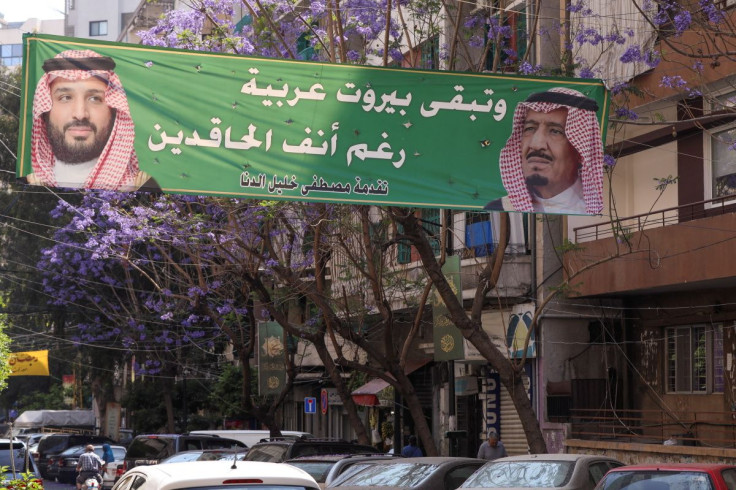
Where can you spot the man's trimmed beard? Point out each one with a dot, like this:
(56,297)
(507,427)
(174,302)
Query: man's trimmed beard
(79,151)
(536,180)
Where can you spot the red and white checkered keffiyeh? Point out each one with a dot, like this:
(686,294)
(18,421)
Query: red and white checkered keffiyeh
(583,132)
(117,166)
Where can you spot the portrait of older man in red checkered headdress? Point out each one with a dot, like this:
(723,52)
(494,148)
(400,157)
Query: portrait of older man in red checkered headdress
(553,161)
(83,133)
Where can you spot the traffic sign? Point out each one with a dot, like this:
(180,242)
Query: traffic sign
(323,400)
(310,404)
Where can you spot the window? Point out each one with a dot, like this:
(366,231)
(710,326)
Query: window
(478,235)
(98,28)
(430,221)
(11,54)
(720,178)
(513,40)
(695,359)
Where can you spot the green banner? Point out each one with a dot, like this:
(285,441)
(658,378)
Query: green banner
(271,359)
(228,125)
(448,341)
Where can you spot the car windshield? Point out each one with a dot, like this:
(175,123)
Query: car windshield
(657,480)
(151,447)
(73,451)
(316,469)
(16,459)
(537,474)
(390,475)
(348,471)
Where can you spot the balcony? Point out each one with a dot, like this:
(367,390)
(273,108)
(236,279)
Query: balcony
(701,428)
(679,248)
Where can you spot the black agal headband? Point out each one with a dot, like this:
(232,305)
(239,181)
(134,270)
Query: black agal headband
(564,99)
(102,63)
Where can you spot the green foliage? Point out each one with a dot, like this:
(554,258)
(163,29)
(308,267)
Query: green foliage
(664,182)
(227,393)
(27,481)
(50,399)
(145,407)
(568,246)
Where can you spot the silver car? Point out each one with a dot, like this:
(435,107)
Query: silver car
(426,473)
(558,471)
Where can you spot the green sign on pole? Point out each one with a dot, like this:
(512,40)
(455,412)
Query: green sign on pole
(271,371)
(448,341)
(227,125)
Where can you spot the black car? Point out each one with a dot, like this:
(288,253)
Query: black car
(152,448)
(64,466)
(54,444)
(279,449)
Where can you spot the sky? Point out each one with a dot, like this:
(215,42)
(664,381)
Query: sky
(20,10)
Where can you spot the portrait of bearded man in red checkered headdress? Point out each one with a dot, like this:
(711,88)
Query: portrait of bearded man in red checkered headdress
(553,161)
(83,133)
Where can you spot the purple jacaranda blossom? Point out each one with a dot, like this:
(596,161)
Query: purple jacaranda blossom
(682,21)
(625,113)
(672,81)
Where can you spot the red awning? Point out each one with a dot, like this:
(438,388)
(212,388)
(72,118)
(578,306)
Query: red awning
(367,395)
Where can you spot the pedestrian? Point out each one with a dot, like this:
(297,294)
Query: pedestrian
(492,448)
(89,466)
(411,450)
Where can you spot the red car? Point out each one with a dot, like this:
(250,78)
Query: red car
(676,476)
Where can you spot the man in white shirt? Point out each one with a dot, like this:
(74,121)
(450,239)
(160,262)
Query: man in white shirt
(553,160)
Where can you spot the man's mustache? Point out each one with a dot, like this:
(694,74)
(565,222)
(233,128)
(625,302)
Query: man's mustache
(81,123)
(538,154)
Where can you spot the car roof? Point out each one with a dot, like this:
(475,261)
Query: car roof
(553,457)
(436,460)
(676,467)
(204,473)
(338,457)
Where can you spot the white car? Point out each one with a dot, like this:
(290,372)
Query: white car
(213,475)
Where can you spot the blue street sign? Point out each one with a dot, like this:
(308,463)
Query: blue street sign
(310,404)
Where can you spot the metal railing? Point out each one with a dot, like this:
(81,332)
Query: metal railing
(656,219)
(708,429)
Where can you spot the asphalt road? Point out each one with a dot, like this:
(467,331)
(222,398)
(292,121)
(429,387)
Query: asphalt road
(53,485)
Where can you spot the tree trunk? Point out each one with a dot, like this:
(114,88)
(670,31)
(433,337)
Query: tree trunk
(472,330)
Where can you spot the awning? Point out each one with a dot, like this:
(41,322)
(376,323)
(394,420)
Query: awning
(372,393)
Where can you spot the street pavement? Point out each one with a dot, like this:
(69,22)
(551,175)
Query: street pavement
(54,485)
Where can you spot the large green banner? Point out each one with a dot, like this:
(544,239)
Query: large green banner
(226,125)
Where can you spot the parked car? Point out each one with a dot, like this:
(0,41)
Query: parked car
(250,437)
(54,444)
(17,461)
(279,449)
(64,467)
(559,471)
(205,455)
(691,476)
(216,475)
(426,473)
(322,466)
(335,465)
(151,449)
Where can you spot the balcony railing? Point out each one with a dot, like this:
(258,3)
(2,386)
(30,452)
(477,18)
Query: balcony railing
(656,219)
(709,429)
